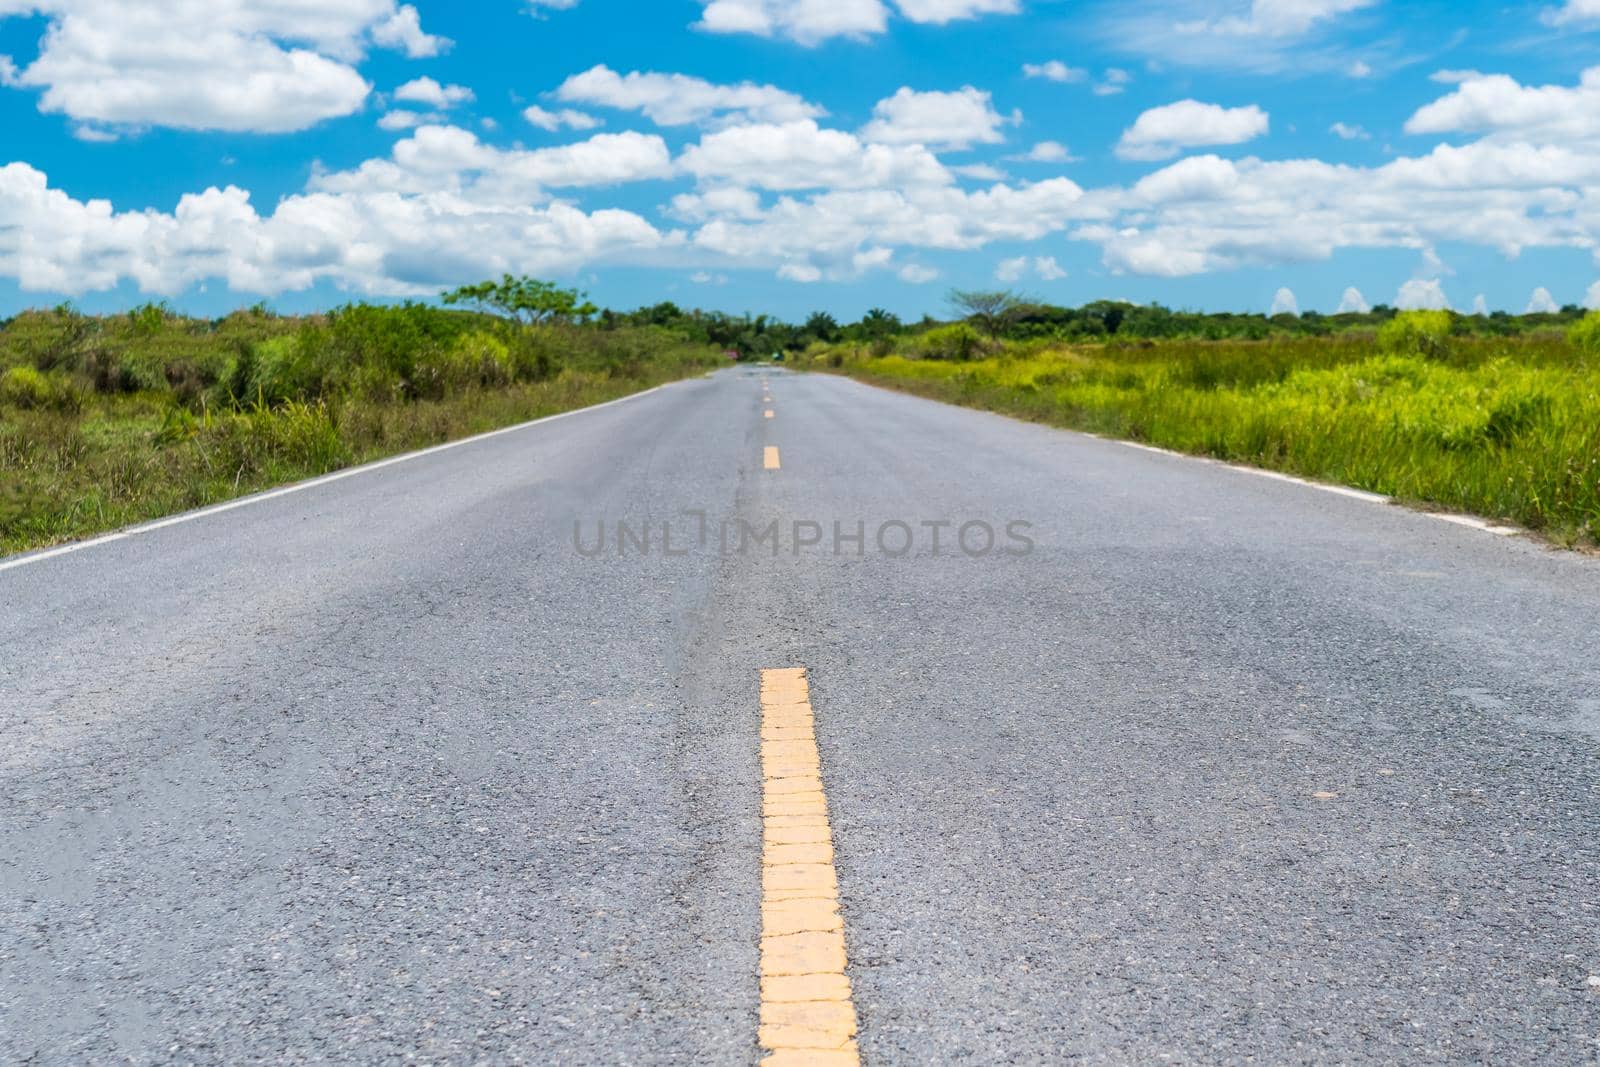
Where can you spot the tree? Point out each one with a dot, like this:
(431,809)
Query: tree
(822,326)
(990,309)
(879,323)
(525,299)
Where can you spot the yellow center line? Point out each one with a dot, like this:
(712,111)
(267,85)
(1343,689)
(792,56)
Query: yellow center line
(769,458)
(807,1016)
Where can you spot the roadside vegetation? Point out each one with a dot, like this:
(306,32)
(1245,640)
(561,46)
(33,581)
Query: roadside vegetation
(1497,416)
(111,420)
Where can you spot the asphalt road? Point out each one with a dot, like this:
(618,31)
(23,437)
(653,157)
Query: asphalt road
(398,768)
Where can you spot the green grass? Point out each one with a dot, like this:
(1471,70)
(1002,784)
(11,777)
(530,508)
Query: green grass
(1506,428)
(113,421)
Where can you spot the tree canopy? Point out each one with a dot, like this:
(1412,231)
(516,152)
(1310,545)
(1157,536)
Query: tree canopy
(525,299)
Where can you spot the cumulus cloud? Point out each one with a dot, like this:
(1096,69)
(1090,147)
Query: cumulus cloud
(806,21)
(1501,107)
(1346,132)
(429,92)
(682,100)
(951,120)
(1480,305)
(1014,270)
(564,118)
(1353,302)
(917,274)
(812,21)
(362,237)
(1541,302)
(802,155)
(1163,132)
(228,65)
(1284,303)
(1422,294)
(1046,152)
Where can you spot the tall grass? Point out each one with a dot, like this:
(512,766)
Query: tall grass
(110,421)
(1502,427)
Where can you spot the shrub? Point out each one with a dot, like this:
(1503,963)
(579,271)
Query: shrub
(957,341)
(25,387)
(1417,333)
(475,359)
(1585,333)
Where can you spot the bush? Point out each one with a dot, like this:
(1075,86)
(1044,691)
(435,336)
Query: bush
(25,387)
(475,359)
(282,368)
(1585,333)
(1417,333)
(957,341)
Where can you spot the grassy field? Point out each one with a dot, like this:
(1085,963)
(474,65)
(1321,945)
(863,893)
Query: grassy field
(1502,427)
(107,421)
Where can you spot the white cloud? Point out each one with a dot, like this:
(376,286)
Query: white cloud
(1163,132)
(1421,294)
(801,155)
(1263,35)
(1591,299)
(1046,152)
(1349,133)
(1284,303)
(1112,82)
(1353,303)
(402,30)
(1573,11)
(556,120)
(365,240)
(232,65)
(1541,302)
(980,171)
(917,274)
(537,8)
(682,100)
(1048,269)
(1499,106)
(1480,305)
(452,162)
(812,21)
(942,11)
(806,21)
(1275,18)
(427,91)
(404,120)
(952,120)
(1054,70)
(1043,267)
(804,273)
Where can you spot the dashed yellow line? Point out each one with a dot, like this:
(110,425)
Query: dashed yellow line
(807,1016)
(769,458)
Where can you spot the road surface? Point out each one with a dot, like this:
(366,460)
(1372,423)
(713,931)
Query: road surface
(1190,765)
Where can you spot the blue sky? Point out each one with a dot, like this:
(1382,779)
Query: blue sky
(786,155)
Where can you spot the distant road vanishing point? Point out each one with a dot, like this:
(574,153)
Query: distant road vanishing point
(875,730)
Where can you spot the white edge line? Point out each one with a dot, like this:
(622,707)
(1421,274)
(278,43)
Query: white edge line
(1468,521)
(311,483)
